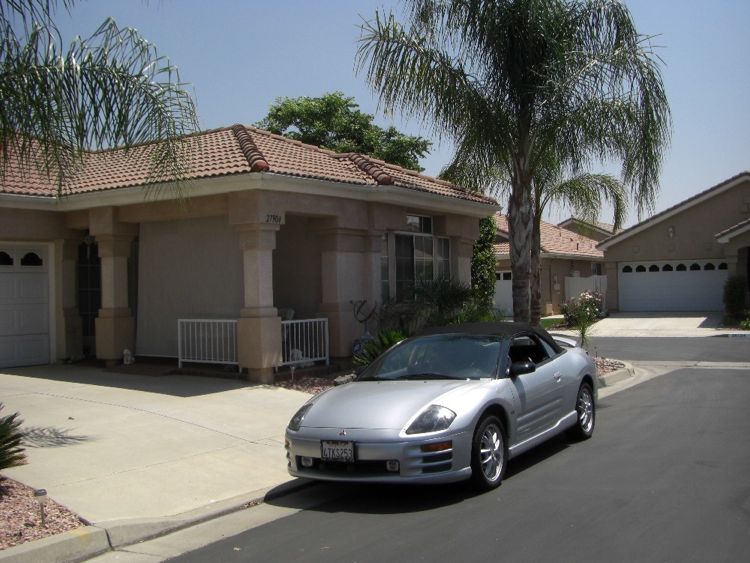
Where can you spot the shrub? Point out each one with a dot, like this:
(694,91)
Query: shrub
(371,349)
(582,311)
(11,437)
(735,289)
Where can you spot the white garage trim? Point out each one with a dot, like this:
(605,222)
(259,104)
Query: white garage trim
(39,307)
(672,285)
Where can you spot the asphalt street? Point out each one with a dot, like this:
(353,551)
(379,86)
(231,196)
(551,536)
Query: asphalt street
(665,478)
(712,349)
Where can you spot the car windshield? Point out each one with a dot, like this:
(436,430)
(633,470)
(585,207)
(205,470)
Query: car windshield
(440,356)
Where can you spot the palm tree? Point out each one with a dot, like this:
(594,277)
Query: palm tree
(514,81)
(111,89)
(584,194)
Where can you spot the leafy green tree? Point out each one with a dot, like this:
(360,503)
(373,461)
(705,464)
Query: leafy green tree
(514,81)
(483,264)
(335,122)
(11,438)
(111,89)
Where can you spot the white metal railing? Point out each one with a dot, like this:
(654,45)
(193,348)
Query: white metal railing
(207,341)
(304,342)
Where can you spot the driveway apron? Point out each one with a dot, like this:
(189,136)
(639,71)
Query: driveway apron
(114,446)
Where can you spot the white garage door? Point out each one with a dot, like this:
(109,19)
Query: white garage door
(692,285)
(24,306)
(504,293)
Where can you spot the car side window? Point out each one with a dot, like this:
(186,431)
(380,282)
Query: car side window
(529,348)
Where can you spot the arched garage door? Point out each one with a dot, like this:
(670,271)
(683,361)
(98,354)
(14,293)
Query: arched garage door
(24,306)
(692,285)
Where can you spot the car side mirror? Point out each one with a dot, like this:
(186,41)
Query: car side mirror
(519,368)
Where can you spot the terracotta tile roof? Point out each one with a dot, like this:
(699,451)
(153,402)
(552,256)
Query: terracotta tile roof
(605,227)
(233,150)
(554,240)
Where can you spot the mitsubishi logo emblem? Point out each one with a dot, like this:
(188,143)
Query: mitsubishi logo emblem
(342,433)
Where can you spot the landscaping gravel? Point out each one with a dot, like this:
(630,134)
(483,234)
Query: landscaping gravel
(20,518)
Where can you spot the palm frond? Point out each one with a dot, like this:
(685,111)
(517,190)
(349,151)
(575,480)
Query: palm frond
(110,90)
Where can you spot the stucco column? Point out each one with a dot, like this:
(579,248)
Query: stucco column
(71,343)
(114,325)
(259,326)
(611,302)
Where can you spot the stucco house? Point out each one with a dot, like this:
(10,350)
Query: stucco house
(570,264)
(270,228)
(597,231)
(680,259)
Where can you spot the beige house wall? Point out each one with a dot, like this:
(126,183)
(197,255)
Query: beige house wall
(189,269)
(241,254)
(689,234)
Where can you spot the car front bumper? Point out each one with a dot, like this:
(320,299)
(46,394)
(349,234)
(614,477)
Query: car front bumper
(374,449)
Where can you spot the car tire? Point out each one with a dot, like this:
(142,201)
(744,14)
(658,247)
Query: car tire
(489,454)
(585,414)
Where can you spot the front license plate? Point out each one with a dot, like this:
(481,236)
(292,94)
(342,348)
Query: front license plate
(337,450)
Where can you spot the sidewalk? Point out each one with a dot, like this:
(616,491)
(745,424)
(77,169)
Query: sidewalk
(135,454)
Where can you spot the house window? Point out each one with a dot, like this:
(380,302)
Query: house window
(418,258)
(31,259)
(640,269)
(419,224)
(681,267)
(596,269)
(653,268)
(504,276)
(695,267)
(5,259)
(627,269)
(709,266)
(667,268)
(723,266)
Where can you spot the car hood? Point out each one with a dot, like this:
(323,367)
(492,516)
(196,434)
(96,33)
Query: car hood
(377,404)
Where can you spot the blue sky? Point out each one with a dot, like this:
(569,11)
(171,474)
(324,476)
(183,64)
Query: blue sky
(239,56)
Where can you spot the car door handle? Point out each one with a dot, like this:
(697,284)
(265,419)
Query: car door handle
(557,376)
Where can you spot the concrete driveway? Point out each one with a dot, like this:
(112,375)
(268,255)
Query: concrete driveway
(661,324)
(113,446)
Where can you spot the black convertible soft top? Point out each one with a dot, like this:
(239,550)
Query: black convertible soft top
(501,329)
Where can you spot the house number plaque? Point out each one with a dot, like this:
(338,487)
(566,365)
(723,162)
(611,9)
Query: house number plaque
(275,218)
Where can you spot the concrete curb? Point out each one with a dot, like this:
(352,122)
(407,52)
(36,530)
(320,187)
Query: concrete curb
(90,541)
(613,377)
(76,545)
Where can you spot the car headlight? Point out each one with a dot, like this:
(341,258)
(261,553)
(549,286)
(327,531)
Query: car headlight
(296,421)
(432,419)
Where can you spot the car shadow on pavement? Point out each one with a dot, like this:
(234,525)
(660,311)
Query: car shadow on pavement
(359,498)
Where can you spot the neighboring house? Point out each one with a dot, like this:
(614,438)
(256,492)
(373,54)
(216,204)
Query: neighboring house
(570,264)
(271,227)
(679,259)
(597,231)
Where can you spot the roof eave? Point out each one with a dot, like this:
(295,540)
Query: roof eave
(254,181)
(671,212)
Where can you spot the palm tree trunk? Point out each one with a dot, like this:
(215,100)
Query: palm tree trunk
(535,313)
(520,225)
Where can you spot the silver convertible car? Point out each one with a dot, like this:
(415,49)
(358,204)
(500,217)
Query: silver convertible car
(453,403)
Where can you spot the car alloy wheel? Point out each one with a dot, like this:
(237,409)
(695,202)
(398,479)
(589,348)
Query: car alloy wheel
(585,412)
(489,454)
